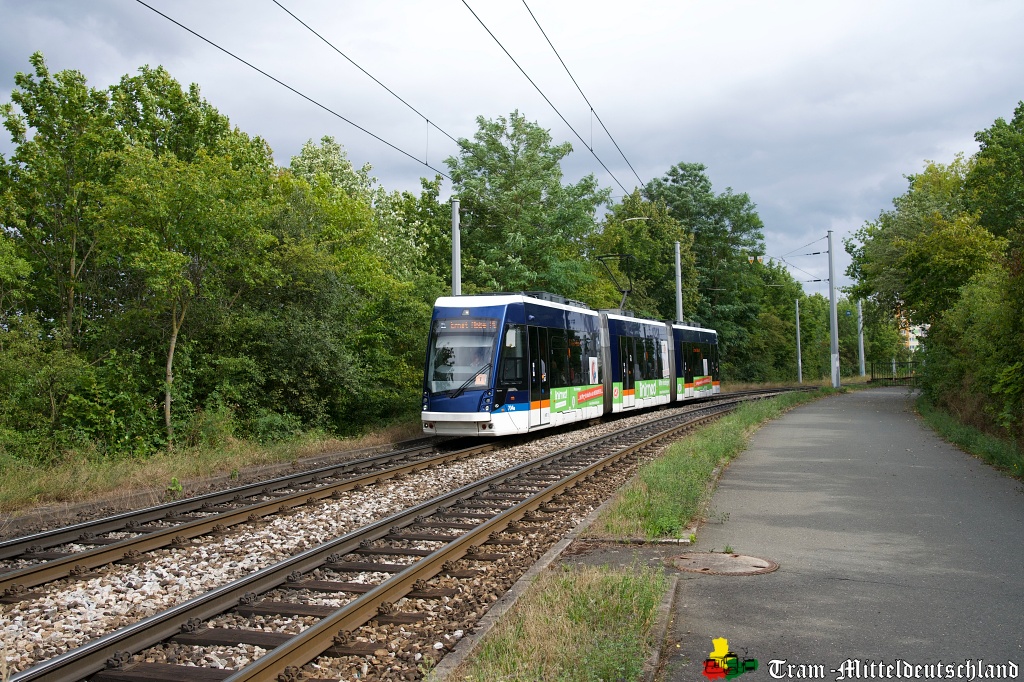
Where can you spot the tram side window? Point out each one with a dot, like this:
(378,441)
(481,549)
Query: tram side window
(512,374)
(649,361)
(559,357)
(574,368)
(591,349)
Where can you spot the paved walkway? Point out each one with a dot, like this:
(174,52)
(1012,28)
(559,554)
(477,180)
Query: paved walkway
(892,545)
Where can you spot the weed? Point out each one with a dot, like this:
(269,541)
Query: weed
(693,538)
(1000,453)
(426,665)
(718,516)
(727,549)
(174,490)
(668,493)
(234,474)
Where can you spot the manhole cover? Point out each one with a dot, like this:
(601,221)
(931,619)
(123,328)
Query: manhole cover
(720,563)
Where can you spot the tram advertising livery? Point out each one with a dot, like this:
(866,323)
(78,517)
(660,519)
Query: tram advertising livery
(499,364)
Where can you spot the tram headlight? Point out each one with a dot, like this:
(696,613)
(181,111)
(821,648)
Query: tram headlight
(486,400)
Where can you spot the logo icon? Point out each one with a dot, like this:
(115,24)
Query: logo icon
(723,664)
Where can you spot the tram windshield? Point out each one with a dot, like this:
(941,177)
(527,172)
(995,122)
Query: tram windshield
(461,353)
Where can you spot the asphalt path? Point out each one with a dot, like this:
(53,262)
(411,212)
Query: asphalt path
(894,548)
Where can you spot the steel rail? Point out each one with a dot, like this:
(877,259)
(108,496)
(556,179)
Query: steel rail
(14,547)
(91,657)
(127,521)
(313,641)
(14,585)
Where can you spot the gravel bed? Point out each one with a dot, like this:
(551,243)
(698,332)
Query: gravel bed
(73,611)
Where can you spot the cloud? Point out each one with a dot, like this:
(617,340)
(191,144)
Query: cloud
(816,110)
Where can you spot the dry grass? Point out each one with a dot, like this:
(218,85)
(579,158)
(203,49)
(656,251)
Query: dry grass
(5,669)
(825,382)
(79,479)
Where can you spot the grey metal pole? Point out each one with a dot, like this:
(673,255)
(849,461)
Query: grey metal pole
(456,251)
(679,286)
(860,336)
(799,361)
(832,314)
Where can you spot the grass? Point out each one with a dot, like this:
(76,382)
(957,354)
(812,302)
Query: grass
(574,624)
(671,491)
(82,479)
(1003,454)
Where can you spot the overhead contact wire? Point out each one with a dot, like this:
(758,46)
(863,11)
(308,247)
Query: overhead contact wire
(592,111)
(297,92)
(541,92)
(374,78)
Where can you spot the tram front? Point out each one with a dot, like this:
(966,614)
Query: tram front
(458,387)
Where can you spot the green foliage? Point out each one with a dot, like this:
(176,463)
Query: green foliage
(13,273)
(670,492)
(915,258)
(996,184)
(646,232)
(171,259)
(949,256)
(174,489)
(726,231)
(53,186)
(522,228)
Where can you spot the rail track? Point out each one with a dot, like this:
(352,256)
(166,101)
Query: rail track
(358,578)
(347,575)
(74,550)
(32,560)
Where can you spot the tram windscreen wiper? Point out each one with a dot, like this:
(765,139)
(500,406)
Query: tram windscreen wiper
(462,389)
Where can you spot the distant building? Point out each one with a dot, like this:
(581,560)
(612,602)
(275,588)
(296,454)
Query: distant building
(912,334)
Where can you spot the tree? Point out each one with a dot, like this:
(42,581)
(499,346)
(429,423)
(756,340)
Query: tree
(329,159)
(155,112)
(190,230)
(914,260)
(13,272)
(995,185)
(64,135)
(646,232)
(522,227)
(726,231)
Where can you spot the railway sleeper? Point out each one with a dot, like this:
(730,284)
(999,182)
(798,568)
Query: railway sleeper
(232,637)
(161,672)
(454,525)
(426,537)
(397,551)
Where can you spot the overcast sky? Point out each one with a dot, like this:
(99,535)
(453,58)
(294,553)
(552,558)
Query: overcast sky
(815,109)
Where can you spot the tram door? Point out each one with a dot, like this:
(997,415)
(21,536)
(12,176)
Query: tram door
(540,382)
(627,358)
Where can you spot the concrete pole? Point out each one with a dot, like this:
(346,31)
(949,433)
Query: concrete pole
(799,361)
(679,286)
(456,251)
(860,335)
(832,313)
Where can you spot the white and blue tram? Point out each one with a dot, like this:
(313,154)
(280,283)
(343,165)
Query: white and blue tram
(500,364)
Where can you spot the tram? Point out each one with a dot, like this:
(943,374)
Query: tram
(500,364)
